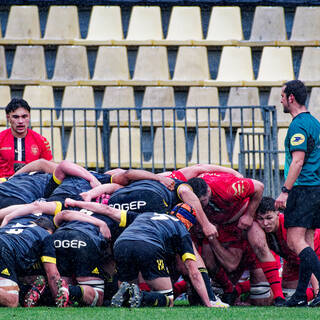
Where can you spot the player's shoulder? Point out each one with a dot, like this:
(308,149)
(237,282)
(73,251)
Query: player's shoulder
(5,132)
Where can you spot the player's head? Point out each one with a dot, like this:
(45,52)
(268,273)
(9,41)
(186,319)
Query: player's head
(293,90)
(267,216)
(201,190)
(45,223)
(18,115)
(185,213)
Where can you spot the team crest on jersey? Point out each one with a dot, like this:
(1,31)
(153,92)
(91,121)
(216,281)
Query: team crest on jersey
(34,149)
(297,139)
(5,272)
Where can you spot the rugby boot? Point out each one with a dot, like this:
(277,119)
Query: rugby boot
(34,294)
(218,303)
(280,302)
(296,301)
(230,297)
(121,296)
(135,296)
(62,298)
(315,302)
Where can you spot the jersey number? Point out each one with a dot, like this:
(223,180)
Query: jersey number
(163,216)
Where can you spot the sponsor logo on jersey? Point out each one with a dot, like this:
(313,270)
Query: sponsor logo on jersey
(133,205)
(297,139)
(95,271)
(5,272)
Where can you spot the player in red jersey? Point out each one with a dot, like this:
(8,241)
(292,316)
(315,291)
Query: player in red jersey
(20,145)
(275,237)
(234,202)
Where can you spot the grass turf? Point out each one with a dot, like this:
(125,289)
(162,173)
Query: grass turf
(179,312)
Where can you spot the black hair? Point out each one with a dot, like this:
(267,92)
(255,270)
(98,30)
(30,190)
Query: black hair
(266,204)
(199,186)
(45,223)
(297,89)
(15,104)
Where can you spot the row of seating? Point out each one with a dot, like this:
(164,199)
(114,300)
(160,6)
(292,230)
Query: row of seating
(129,147)
(152,68)
(123,97)
(145,26)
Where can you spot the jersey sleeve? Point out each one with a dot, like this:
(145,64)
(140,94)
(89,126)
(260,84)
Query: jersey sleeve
(127,217)
(48,250)
(45,149)
(298,139)
(185,248)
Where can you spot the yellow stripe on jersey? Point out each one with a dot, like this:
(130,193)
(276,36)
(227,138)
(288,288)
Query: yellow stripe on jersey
(123,218)
(188,256)
(111,179)
(55,179)
(184,184)
(58,207)
(3,179)
(48,259)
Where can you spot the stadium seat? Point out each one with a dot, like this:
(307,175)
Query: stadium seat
(282,132)
(85,147)
(243,96)
(41,97)
(151,64)
(283,119)
(53,135)
(276,64)
(78,97)
(23,23)
(62,23)
(3,69)
(185,24)
(71,64)
(210,151)
(157,97)
(306,24)
(268,24)
(169,150)
(105,24)
(314,102)
(310,64)
(29,64)
(235,64)
(119,97)
(145,24)
(191,64)
(130,153)
(5,97)
(225,24)
(253,147)
(202,97)
(111,64)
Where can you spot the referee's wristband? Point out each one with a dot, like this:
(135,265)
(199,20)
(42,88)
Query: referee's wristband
(285,189)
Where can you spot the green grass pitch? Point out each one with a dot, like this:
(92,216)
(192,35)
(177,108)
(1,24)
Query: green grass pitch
(179,312)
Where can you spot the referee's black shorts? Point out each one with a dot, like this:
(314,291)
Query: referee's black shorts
(303,207)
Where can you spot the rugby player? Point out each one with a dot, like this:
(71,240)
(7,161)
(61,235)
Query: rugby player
(24,242)
(272,223)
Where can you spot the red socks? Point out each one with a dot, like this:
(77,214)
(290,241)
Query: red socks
(271,272)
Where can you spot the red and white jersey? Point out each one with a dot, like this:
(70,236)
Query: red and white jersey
(16,152)
(229,193)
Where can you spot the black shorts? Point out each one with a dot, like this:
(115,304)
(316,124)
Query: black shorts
(303,207)
(139,201)
(133,257)
(10,201)
(7,263)
(77,255)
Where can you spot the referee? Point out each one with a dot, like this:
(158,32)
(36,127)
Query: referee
(300,194)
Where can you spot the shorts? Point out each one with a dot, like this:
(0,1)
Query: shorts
(10,201)
(133,257)
(7,262)
(139,201)
(303,207)
(77,255)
